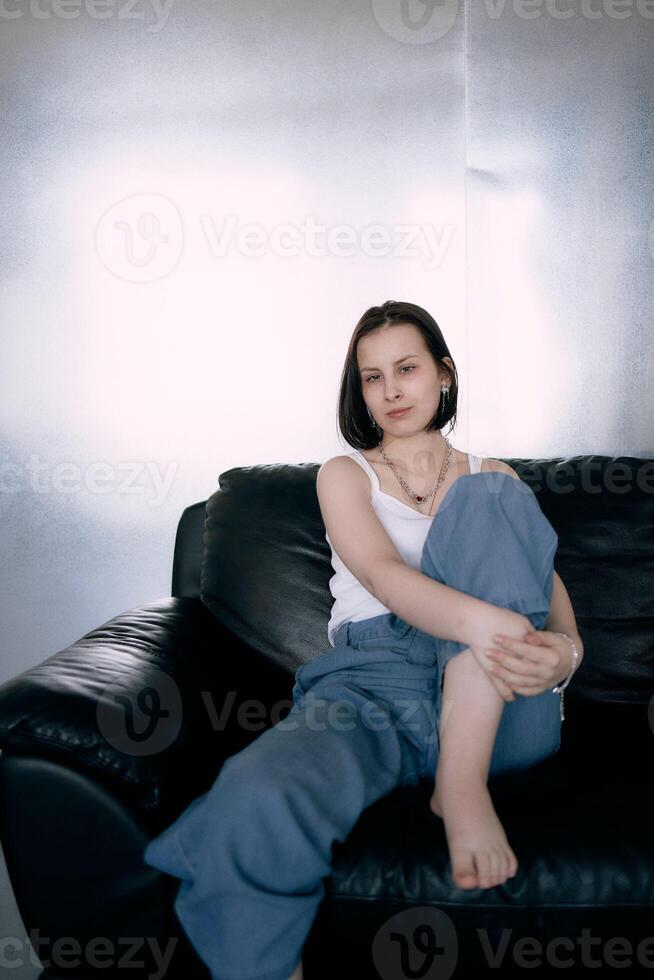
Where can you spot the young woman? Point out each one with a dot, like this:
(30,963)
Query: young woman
(486,537)
(439,557)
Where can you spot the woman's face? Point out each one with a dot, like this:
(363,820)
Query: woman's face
(413,383)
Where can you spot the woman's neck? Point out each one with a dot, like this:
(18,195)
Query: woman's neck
(421,456)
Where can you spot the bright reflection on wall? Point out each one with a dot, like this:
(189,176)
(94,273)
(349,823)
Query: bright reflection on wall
(218,331)
(510,345)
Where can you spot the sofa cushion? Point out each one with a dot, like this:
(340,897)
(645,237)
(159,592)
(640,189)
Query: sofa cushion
(266,563)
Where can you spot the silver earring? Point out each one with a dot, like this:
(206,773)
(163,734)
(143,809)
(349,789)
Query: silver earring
(445,394)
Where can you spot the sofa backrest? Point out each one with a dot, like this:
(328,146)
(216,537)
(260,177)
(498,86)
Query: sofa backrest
(266,563)
(265,568)
(189,546)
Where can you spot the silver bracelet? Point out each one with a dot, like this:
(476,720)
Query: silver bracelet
(560,688)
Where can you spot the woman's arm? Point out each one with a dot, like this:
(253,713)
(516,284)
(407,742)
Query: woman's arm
(561,617)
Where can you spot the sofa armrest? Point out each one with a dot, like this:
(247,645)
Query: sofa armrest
(150,704)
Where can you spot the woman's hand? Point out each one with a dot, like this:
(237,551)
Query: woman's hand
(532,665)
(491,621)
(482,657)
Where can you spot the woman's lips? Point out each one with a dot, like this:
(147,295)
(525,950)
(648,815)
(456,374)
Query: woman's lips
(399,414)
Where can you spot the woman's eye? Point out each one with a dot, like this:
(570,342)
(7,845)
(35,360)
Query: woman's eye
(410,367)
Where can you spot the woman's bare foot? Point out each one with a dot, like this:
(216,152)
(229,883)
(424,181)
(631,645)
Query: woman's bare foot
(297,972)
(479,850)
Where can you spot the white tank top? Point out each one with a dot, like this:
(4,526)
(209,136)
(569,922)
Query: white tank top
(407,530)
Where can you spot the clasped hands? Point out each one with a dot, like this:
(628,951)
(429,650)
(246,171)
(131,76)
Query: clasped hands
(529,666)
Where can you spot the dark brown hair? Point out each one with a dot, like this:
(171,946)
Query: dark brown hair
(354,422)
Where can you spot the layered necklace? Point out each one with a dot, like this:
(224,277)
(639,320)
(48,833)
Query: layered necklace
(418,499)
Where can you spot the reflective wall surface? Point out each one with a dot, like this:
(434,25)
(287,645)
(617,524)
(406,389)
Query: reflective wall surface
(202,198)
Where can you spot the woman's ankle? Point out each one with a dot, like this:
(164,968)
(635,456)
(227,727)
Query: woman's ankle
(460,781)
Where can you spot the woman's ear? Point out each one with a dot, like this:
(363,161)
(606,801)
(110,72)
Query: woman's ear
(450,364)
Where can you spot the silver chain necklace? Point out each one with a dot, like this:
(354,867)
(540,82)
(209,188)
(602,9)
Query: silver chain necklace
(420,498)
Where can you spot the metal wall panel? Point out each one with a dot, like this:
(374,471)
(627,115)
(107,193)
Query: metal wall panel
(560,191)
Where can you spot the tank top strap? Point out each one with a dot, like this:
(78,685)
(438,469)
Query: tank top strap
(475,463)
(363,462)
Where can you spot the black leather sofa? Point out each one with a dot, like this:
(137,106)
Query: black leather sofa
(106,742)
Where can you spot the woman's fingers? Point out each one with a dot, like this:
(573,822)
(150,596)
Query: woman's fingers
(531,651)
(520,672)
(502,689)
(531,666)
(524,664)
(523,656)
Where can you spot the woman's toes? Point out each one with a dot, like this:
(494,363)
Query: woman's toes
(510,868)
(503,871)
(480,870)
(485,869)
(464,874)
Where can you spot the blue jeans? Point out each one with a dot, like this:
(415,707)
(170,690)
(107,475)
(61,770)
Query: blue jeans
(253,851)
